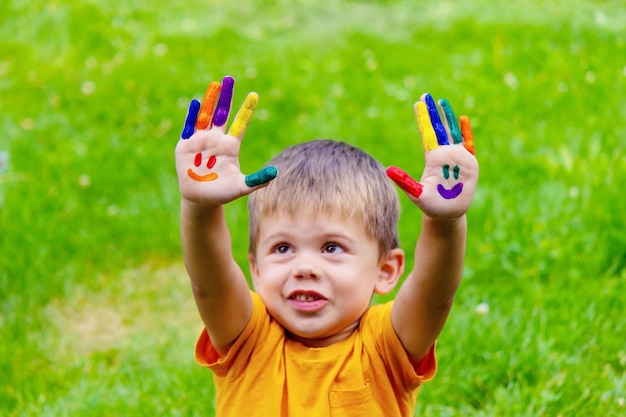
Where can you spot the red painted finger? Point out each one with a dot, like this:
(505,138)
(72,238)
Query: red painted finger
(405,181)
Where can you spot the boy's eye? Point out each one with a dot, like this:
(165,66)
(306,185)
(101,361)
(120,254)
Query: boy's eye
(282,248)
(332,248)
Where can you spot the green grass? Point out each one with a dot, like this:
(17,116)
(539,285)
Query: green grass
(95,314)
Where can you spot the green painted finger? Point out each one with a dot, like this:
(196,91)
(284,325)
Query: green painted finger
(261,177)
(455,132)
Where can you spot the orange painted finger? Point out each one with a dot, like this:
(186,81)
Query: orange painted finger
(208,105)
(468,136)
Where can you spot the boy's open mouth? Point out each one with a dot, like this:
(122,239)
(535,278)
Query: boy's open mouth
(305,296)
(307,301)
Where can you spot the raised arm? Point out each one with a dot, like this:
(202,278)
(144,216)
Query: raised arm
(444,195)
(207,164)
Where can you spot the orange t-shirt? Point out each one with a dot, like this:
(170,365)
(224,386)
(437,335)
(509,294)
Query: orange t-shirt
(267,374)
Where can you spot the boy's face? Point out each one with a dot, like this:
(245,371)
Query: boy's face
(316,274)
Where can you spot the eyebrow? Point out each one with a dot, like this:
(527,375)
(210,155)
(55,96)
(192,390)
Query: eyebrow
(330,236)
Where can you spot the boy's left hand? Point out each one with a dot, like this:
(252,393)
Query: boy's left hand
(447,186)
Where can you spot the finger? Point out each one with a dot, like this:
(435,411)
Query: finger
(223,105)
(468,136)
(208,105)
(190,121)
(429,139)
(261,177)
(243,117)
(404,181)
(435,119)
(453,126)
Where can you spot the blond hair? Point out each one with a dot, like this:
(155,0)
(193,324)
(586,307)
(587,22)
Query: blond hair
(329,177)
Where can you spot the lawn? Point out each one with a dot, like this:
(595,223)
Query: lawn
(96,317)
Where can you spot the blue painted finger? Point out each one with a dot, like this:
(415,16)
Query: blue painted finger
(223,105)
(190,121)
(261,177)
(455,132)
(438,127)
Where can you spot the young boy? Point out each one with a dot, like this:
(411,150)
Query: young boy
(323,240)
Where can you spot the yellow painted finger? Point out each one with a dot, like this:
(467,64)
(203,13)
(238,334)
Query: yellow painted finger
(242,120)
(208,105)
(429,138)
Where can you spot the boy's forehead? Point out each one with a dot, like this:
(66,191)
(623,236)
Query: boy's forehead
(317,219)
(308,214)
(313,225)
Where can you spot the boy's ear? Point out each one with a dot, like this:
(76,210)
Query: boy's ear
(390,270)
(254,270)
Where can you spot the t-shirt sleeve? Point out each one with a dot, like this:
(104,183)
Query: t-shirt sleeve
(400,365)
(241,350)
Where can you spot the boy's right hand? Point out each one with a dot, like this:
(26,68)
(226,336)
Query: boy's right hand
(207,157)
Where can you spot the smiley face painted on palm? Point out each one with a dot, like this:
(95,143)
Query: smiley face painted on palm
(211,176)
(449,171)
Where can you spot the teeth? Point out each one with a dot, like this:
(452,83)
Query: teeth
(304,297)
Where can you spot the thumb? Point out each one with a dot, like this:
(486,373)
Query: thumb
(261,177)
(404,181)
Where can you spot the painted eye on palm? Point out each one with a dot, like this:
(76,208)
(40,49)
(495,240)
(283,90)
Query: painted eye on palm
(457,189)
(211,176)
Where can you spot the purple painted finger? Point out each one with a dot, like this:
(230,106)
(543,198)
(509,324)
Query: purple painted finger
(190,121)
(223,105)
(435,119)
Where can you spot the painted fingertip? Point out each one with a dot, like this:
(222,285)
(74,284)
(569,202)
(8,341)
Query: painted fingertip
(396,174)
(252,100)
(435,120)
(223,105)
(431,106)
(190,121)
(455,132)
(262,176)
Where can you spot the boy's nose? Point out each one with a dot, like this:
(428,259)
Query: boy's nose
(306,269)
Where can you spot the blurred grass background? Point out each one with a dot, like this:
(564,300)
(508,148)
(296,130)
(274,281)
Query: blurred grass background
(95,313)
